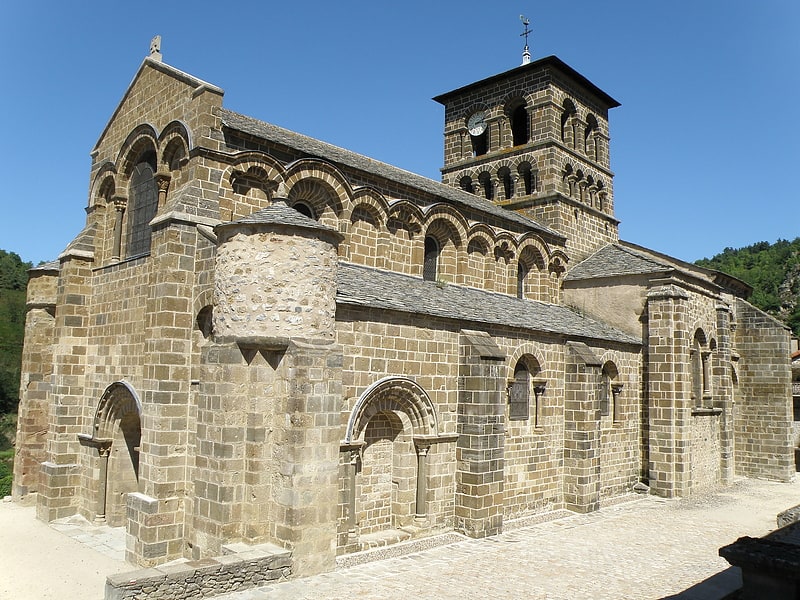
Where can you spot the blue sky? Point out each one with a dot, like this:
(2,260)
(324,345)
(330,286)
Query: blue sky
(705,147)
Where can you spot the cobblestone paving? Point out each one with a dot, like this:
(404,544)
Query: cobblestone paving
(645,549)
(106,540)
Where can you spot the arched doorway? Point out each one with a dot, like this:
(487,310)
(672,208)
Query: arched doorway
(387,477)
(117,433)
(388,436)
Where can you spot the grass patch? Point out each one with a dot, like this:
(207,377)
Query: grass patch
(6,471)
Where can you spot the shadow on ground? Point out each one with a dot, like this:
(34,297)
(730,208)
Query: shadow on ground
(724,585)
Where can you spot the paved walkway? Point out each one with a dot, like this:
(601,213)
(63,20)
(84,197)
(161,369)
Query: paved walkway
(644,549)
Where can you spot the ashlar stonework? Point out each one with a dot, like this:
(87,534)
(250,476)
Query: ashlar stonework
(259,338)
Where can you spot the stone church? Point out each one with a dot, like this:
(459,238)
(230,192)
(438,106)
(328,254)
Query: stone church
(259,337)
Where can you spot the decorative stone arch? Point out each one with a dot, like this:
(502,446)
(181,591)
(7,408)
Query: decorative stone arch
(515,109)
(204,312)
(526,173)
(700,357)
(369,199)
(504,179)
(394,394)
(176,128)
(446,212)
(486,183)
(138,192)
(366,236)
(119,400)
(320,186)
(602,196)
(140,140)
(116,434)
(505,251)
(556,269)
(466,183)
(526,386)
(247,184)
(443,239)
(109,210)
(580,180)
(405,216)
(569,119)
(176,142)
(479,271)
(397,413)
(104,185)
(591,138)
(529,353)
(610,389)
(569,180)
(531,270)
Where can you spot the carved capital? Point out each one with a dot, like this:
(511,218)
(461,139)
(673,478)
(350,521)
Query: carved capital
(162,181)
(120,203)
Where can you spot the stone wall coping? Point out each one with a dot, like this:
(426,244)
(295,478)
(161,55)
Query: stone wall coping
(228,572)
(182,217)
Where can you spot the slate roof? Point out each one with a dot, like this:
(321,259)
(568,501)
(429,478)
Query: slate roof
(313,147)
(83,242)
(615,260)
(366,287)
(52,265)
(278,213)
(626,258)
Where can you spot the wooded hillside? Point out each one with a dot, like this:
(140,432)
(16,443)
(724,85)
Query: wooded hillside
(13,280)
(774,272)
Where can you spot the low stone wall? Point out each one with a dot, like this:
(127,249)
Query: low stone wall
(240,568)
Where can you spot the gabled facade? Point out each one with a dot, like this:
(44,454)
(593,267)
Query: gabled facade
(260,337)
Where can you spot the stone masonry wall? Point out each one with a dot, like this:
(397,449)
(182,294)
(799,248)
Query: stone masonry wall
(275,285)
(764,397)
(36,369)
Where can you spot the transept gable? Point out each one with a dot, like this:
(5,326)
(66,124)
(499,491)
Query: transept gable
(157,96)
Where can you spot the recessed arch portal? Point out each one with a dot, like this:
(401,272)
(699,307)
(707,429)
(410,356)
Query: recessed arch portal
(393,424)
(118,431)
(395,394)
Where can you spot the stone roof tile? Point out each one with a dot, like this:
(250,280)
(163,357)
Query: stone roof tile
(615,260)
(317,148)
(363,286)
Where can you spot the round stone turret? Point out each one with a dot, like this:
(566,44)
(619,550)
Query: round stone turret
(275,278)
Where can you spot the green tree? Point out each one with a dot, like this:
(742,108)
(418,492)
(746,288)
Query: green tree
(773,270)
(13,280)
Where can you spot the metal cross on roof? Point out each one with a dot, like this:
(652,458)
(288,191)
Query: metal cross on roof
(526,55)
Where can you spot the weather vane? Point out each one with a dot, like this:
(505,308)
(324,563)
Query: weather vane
(526,54)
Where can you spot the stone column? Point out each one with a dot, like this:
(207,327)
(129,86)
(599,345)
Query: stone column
(162,181)
(723,391)
(120,203)
(481,427)
(422,481)
(582,429)
(668,386)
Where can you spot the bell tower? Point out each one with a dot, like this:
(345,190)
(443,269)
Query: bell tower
(535,140)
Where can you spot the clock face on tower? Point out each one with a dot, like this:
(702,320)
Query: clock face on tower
(476,124)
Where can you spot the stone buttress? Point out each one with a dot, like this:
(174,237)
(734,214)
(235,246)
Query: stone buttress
(268,415)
